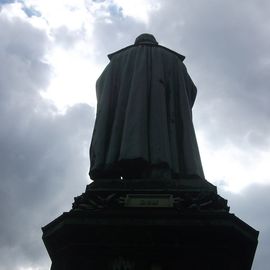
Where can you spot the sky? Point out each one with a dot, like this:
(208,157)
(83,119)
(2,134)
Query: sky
(51,54)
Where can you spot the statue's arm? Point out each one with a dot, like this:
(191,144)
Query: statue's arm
(191,89)
(102,81)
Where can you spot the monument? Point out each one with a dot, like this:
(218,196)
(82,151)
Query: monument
(149,206)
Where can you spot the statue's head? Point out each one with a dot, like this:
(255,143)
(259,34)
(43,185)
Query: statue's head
(146,39)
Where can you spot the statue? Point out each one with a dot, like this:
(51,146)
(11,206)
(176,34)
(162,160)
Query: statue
(143,126)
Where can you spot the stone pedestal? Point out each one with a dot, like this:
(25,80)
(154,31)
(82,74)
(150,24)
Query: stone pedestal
(147,225)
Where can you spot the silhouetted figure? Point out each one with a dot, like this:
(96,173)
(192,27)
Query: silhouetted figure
(143,126)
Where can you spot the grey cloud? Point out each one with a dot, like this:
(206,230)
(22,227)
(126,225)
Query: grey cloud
(43,155)
(43,166)
(23,69)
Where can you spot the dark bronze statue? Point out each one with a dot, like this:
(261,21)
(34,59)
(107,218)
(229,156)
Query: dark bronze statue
(143,126)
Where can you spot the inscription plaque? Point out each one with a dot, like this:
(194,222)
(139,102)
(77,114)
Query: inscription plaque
(148,200)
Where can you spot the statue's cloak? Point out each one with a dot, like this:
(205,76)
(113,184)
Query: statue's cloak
(144,101)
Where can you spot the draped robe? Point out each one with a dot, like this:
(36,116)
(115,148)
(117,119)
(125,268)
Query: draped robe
(144,115)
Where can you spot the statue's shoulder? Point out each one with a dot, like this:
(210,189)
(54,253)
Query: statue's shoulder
(180,56)
(128,48)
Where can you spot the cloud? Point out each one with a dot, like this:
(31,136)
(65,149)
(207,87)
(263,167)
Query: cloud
(66,37)
(44,165)
(44,154)
(3,2)
(21,48)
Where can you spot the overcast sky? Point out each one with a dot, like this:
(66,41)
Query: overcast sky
(52,52)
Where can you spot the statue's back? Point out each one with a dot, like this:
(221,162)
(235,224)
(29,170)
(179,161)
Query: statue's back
(144,126)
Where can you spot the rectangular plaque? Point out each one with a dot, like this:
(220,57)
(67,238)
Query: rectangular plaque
(148,200)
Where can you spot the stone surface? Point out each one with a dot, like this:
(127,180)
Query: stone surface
(180,194)
(195,232)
